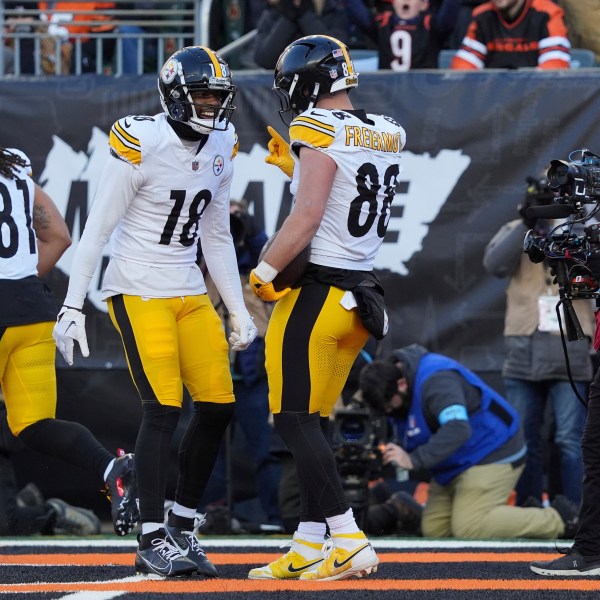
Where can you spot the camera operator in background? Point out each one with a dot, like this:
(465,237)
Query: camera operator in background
(250,387)
(534,370)
(468,437)
(578,183)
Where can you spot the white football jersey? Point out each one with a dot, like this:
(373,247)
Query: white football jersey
(161,224)
(157,194)
(18,243)
(366,149)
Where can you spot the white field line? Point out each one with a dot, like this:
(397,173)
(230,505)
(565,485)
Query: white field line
(237,542)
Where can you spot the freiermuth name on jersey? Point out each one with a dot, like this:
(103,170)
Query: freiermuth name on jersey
(366,149)
(375,140)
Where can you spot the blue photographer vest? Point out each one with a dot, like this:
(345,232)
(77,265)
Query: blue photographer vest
(494,422)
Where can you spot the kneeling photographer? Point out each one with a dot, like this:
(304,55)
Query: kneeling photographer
(468,437)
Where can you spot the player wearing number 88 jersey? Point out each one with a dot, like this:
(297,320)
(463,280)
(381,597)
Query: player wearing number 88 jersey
(346,166)
(166,182)
(366,150)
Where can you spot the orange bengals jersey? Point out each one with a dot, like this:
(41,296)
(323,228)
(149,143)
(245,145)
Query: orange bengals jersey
(94,10)
(536,38)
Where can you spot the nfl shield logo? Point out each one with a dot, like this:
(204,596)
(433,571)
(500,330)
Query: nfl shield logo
(195,165)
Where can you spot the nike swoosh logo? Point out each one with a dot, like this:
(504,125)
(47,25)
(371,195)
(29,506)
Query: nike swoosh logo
(293,569)
(181,551)
(337,565)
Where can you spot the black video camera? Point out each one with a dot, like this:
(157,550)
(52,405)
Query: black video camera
(576,181)
(356,436)
(571,246)
(571,243)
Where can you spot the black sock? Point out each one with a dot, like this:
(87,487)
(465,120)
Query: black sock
(145,540)
(181,522)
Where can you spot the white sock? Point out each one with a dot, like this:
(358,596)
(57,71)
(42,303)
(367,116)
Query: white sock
(151,527)
(111,464)
(182,511)
(344,523)
(312,531)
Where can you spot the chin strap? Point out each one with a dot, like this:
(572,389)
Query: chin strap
(184,131)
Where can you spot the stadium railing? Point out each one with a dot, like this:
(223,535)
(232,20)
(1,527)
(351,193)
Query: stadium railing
(40,36)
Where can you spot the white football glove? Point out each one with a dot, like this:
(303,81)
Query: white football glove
(243,330)
(70,325)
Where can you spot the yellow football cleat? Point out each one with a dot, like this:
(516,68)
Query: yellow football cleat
(345,555)
(301,557)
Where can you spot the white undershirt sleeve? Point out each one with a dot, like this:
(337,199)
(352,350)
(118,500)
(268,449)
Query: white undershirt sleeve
(118,185)
(218,249)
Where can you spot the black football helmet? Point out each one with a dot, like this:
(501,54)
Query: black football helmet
(312,67)
(191,69)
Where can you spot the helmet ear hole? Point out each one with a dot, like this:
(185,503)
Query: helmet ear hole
(178,111)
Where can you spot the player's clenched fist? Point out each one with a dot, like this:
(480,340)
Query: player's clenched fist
(265,290)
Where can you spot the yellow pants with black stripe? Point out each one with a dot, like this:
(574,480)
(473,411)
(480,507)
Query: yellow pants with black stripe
(172,342)
(311,343)
(27,374)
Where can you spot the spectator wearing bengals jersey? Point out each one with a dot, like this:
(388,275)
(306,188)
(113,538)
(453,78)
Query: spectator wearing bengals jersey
(409,34)
(512,34)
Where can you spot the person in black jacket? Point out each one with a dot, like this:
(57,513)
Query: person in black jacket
(284,21)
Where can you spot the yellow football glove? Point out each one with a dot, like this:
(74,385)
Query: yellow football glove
(279,153)
(265,291)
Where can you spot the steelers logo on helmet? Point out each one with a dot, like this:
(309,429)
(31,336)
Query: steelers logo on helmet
(169,70)
(312,67)
(196,88)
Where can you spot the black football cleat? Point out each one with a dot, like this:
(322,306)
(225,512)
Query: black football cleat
(160,558)
(183,537)
(121,490)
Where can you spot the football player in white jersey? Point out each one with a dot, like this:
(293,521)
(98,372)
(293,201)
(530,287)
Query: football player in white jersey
(166,182)
(34,236)
(346,164)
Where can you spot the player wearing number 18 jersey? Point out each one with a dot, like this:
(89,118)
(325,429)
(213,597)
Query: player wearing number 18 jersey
(345,171)
(166,182)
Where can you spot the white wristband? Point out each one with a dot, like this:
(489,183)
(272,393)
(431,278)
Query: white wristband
(265,272)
